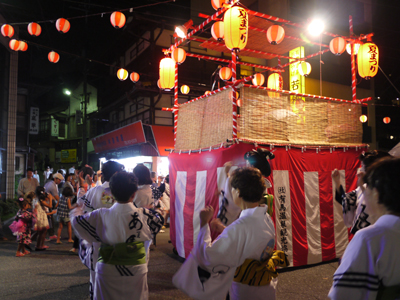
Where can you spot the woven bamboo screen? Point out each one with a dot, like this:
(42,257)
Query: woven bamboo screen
(205,122)
(271,117)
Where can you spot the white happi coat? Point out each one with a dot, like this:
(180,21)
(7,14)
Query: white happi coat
(251,236)
(370,258)
(119,224)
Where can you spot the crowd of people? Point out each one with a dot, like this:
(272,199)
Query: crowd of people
(117,216)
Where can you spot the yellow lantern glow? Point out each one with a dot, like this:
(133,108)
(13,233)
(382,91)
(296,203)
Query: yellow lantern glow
(217,4)
(225,73)
(304,68)
(258,79)
(368,60)
(185,89)
(167,73)
(236,28)
(217,31)
(363,118)
(207,93)
(179,55)
(122,74)
(275,81)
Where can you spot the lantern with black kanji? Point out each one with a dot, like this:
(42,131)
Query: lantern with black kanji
(23,46)
(34,29)
(217,31)
(386,120)
(117,19)
(134,77)
(185,89)
(122,74)
(7,30)
(337,45)
(368,60)
(53,57)
(167,73)
(225,73)
(178,55)
(304,68)
(258,79)
(275,34)
(63,25)
(14,44)
(236,28)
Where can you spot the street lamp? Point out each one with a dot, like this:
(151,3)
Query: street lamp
(67,92)
(316,27)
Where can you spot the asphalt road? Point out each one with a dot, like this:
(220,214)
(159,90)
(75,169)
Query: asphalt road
(58,274)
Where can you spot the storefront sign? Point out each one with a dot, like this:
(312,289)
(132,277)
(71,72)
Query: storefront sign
(34,121)
(55,126)
(68,156)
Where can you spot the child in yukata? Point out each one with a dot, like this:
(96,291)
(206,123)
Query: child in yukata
(124,232)
(250,238)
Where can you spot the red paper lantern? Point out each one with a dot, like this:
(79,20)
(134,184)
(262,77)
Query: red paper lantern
(117,19)
(337,45)
(368,60)
(14,44)
(225,73)
(134,77)
(207,93)
(53,57)
(275,34)
(185,89)
(217,31)
(63,25)
(167,73)
(386,120)
(217,4)
(179,55)
(34,29)
(122,74)
(236,22)
(22,46)
(363,118)
(7,30)
(258,79)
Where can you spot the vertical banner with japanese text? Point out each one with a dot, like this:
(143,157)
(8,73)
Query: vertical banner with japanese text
(297,84)
(34,121)
(54,127)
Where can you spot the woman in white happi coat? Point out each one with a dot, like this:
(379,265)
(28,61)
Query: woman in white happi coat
(144,195)
(370,266)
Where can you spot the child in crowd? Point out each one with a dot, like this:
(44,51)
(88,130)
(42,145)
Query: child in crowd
(125,233)
(63,213)
(42,223)
(24,222)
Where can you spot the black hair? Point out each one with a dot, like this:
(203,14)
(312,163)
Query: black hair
(27,199)
(249,182)
(70,174)
(142,173)
(259,159)
(41,193)
(29,169)
(384,175)
(109,168)
(87,170)
(153,174)
(67,192)
(123,185)
(369,157)
(167,179)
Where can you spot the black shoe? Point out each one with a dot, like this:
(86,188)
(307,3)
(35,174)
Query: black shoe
(40,249)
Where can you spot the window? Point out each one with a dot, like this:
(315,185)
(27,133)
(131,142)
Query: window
(132,108)
(17,163)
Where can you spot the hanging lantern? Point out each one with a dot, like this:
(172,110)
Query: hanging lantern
(275,34)
(158,84)
(22,46)
(386,120)
(7,30)
(304,68)
(235,28)
(34,29)
(134,77)
(14,44)
(258,79)
(356,47)
(207,93)
(337,45)
(217,31)
(167,73)
(117,19)
(225,73)
(275,81)
(122,74)
(368,60)
(217,4)
(185,89)
(363,118)
(53,57)
(239,102)
(63,25)
(178,55)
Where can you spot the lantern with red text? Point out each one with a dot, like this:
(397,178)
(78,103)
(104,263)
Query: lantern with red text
(235,28)
(258,79)
(179,55)
(34,29)
(63,25)
(14,44)
(363,118)
(7,30)
(22,46)
(185,89)
(53,57)
(386,120)
(134,77)
(275,34)
(217,31)
(122,74)
(275,81)
(368,60)
(217,4)
(117,19)
(225,73)
(304,68)
(337,45)
(167,73)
